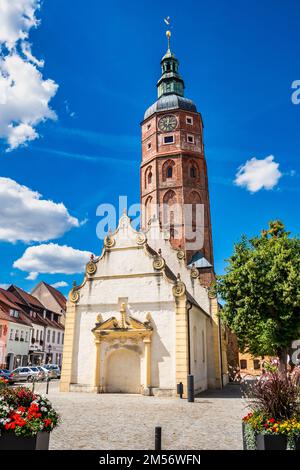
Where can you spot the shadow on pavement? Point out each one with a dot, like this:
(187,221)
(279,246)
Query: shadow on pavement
(231,390)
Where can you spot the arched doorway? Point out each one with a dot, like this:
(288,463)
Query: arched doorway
(123,372)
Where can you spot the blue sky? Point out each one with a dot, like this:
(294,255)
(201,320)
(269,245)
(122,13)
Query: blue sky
(238,60)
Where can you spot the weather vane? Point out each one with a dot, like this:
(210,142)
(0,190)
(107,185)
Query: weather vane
(167,20)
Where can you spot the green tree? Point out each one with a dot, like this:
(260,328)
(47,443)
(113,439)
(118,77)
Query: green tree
(261,291)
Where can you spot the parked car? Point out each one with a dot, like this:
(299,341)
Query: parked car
(37,374)
(4,373)
(21,374)
(43,371)
(53,371)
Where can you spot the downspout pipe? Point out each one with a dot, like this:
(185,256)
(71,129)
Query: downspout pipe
(220,345)
(189,307)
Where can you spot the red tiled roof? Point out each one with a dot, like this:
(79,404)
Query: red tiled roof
(23,318)
(6,301)
(28,298)
(59,297)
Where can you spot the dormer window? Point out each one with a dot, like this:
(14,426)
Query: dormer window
(14,313)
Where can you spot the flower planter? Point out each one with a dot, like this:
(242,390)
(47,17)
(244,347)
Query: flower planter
(297,443)
(9,441)
(244,437)
(271,442)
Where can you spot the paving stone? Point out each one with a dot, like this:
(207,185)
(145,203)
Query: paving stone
(121,421)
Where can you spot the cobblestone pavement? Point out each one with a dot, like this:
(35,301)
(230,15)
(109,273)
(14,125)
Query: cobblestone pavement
(121,421)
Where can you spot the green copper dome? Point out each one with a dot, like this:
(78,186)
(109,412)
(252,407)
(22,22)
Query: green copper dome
(170,88)
(170,81)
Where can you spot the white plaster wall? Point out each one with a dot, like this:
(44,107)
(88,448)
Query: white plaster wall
(198,348)
(162,347)
(17,347)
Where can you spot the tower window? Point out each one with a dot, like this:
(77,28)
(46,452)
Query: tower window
(190,139)
(193,172)
(149,177)
(168,139)
(169,172)
(148,126)
(149,145)
(189,120)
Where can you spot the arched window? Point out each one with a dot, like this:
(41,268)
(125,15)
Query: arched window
(169,172)
(193,169)
(195,200)
(193,172)
(148,210)
(148,176)
(170,210)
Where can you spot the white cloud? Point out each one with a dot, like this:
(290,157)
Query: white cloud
(52,259)
(258,174)
(32,276)
(4,286)
(24,94)
(58,284)
(25,216)
(17,17)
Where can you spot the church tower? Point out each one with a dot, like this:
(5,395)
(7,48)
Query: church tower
(173,174)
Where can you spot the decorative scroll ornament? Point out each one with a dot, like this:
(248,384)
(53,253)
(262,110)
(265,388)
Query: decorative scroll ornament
(109,241)
(212,293)
(180,254)
(158,263)
(91,268)
(74,295)
(141,238)
(194,272)
(179,288)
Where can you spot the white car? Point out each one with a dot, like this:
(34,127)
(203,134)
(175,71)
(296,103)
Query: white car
(37,375)
(53,371)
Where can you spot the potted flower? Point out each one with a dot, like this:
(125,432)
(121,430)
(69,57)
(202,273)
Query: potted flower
(274,419)
(26,420)
(3,382)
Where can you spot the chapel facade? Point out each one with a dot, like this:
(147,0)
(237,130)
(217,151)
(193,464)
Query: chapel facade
(145,315)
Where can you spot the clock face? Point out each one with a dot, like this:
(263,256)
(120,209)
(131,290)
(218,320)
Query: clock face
(167,123)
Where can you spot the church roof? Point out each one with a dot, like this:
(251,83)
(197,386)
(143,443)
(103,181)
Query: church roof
(169,102)
(199,261)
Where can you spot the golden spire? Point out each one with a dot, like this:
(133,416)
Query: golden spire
(168,34)
(167,20)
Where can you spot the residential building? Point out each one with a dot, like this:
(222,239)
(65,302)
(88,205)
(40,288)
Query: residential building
(15,333)
(52,299)
(46,328)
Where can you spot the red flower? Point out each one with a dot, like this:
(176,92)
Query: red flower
(11,425)
(47,422)
(272,420)
(21,409)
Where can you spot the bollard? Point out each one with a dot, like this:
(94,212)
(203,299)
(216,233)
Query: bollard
(190,385)
(158,438)
(47,385)
(33,383)
(180,389)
